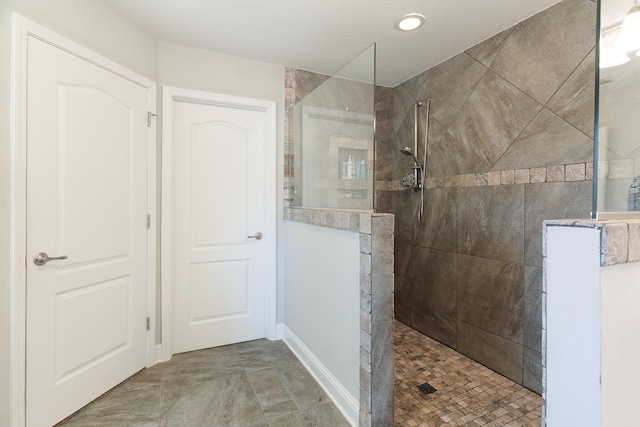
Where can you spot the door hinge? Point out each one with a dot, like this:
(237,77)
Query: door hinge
(149,116)
(148,221)
(148,324)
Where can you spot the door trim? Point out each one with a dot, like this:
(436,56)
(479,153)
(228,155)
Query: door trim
(22,29)
(169,96)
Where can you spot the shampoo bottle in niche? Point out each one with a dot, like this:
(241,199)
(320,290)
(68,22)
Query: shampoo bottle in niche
(362,170)
(634,195)
(351,170)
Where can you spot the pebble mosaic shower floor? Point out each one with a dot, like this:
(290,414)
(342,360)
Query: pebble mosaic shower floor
(467,393)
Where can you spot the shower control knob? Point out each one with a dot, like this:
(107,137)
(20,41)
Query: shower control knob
(257,236)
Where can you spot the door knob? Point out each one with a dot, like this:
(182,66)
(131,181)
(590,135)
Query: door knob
(256,236)
(41,258)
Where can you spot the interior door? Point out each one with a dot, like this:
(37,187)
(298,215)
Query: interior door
(219,251)
(87,204)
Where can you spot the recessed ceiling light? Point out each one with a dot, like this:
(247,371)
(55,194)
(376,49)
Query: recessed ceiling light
(410,22)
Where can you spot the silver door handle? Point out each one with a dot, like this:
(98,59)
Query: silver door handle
(41,258)
(257,236)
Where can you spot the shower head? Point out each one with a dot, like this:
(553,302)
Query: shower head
(407,152)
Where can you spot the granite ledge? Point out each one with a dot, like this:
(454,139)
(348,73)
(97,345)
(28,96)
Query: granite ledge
(620,238)
(355,221)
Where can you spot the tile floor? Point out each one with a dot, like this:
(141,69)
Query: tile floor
(253,384)
(261,383)
(468,394)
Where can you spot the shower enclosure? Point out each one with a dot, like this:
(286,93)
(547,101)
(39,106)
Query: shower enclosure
(510,144)
(334,123)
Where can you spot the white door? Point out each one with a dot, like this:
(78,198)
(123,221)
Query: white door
(218,186)
(86,200)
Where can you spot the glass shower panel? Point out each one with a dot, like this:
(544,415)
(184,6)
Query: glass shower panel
(333,164)
(617,153)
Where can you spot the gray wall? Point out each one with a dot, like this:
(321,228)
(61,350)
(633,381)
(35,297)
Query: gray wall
(510,144)
(322,297)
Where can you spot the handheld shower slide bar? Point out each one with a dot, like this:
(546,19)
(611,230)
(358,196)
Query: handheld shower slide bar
(419,170)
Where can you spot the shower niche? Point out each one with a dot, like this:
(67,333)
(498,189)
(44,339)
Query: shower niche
(337,159)
(354,160)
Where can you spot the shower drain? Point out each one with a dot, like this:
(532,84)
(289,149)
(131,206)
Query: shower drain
(426,388)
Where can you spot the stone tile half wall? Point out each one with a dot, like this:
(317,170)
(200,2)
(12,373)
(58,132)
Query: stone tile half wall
(522,101)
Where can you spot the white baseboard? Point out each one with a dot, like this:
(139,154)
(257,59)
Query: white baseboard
(279,331)
(158,353)
(344,401)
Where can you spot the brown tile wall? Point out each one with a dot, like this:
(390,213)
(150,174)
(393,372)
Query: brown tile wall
(510,145)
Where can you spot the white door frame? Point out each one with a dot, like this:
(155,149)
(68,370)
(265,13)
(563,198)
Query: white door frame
(22,29)
(169,96)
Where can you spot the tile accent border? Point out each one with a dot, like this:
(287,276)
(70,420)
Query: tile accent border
(612,169)
(376,304)
(620,238)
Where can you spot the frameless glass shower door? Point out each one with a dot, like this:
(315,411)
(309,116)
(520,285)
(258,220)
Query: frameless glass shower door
(334,134)
(617,147)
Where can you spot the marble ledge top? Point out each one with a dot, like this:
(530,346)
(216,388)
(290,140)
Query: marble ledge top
(359,222)
(619,241)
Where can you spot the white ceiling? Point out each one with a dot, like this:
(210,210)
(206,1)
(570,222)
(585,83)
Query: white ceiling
(324,35)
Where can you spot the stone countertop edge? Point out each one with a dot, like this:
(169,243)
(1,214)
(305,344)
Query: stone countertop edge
(619,238)
(358,222)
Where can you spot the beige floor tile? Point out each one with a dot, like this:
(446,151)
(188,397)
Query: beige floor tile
(468,393)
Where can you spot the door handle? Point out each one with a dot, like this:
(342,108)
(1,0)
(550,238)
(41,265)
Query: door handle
(41,258)
(257,236)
